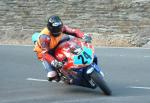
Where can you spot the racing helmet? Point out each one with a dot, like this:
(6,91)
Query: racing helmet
(55,25)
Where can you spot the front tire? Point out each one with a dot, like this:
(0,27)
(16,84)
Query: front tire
(98,79)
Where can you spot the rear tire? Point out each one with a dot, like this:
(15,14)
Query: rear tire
(98,79)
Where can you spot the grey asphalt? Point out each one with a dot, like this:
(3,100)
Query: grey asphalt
(127,72)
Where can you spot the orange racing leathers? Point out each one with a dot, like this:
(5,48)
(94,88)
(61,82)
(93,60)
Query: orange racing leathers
(46,42)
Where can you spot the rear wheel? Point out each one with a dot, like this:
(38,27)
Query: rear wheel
(98,79)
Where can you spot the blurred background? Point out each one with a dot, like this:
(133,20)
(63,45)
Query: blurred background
(124,23)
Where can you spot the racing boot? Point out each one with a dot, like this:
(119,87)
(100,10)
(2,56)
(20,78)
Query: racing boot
(53,76)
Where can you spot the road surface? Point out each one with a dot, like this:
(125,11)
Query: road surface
(23,79)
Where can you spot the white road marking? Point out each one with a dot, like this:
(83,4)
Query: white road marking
(137,87)
(39,80)
(42,80)
(122,55)
(146,56)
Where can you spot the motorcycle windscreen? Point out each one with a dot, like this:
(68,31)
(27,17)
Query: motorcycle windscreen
(84,58)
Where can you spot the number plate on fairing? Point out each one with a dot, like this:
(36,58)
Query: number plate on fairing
(85,57)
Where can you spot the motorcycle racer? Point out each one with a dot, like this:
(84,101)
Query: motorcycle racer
(47,41)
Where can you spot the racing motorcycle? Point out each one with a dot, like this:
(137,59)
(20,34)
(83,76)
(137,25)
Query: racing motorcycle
(80,64)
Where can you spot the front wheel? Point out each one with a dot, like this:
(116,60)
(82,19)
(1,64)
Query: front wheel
(98,79)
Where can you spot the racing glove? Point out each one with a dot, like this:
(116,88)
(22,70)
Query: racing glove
(56,64)
(87,38)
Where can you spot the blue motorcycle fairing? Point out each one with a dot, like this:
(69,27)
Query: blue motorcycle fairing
(85,69)
(82,77)
(96,67)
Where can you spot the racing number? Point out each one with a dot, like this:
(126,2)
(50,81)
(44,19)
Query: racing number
(87,56)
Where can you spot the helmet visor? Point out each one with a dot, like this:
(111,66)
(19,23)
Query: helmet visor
(56,31)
